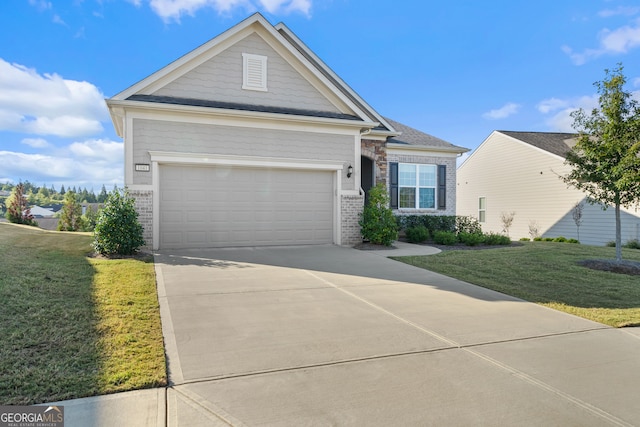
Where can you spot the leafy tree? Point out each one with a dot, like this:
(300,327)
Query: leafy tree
(606,158)
(117,228)
(377,223)
(18,211)
(71,216)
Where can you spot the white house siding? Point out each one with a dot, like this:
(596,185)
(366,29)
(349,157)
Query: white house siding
(422,158)
(220,79)
(514,176)
(152,135)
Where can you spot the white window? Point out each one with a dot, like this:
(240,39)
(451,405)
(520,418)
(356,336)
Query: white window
(482,209)
(417,186)
(254,72)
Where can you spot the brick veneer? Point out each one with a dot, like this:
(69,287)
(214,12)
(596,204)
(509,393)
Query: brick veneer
(377,151)
(351,208)
(144,207)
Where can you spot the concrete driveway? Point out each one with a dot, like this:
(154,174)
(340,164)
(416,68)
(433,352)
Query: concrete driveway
(328,335)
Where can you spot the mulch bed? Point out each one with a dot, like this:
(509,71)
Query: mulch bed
(631,268)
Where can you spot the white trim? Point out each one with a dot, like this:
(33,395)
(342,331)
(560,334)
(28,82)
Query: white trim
(155,199)
(164,157)
(421,150)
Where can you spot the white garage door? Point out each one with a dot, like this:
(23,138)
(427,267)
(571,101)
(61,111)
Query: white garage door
(235,206)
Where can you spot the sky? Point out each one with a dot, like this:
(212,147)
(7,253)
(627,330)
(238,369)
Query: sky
(457,70)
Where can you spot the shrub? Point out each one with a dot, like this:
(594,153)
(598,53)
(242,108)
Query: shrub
(468,224)
(445,238)
(525,239)
(632,244)
(471,239)
(496,239)
(611,244)
(117,228)
(537,239)
(377,223)
(417,234)
(573,241)
(548,239)
(560,239)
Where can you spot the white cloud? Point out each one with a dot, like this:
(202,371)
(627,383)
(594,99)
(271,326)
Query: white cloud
(90,164)
(48,104)
(620,10)
(41,5)
(505,111)
(618,41)
(561,120)
(636,82)
(36,142)
(173,10)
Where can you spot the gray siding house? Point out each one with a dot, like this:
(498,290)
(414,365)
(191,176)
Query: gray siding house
(252,140)
(520,172)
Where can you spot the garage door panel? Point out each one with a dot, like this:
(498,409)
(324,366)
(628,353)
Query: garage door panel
(234,206)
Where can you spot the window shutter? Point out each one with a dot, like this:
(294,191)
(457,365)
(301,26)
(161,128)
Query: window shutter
(393,185)
(442,187)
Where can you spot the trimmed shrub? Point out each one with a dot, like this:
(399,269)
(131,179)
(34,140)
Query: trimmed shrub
(632,244)
(417,234)
(445,238)
(471,239)
(548,239)
(525,239)
(117,230)
(493,239)
(377,223)
(468,224)
(560,239)
(573,241)
(611,244)
(537,239)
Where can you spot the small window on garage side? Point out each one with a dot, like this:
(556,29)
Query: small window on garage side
(254,72)
(482,209)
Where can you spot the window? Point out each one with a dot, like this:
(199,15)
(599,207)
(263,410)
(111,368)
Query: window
(254,72)
(417,186)
(482,209)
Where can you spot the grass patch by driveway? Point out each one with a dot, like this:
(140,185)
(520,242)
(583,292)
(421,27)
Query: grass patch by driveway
(548,273)
(74,326)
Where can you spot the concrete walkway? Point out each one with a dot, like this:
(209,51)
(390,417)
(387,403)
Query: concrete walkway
(335,336)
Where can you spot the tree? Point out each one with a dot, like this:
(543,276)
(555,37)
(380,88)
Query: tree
(606,158)
(377,223)
(71,216)
(507,221)
(102,197)
(18,211)
(117,228)
(578,208)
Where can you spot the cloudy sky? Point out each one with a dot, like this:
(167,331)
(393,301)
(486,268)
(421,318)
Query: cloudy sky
(456,70)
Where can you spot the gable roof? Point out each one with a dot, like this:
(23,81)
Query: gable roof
(557,143)
(414,137)
(346,100)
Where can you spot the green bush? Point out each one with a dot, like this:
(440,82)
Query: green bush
(117,228)
(471,239)
(445,238)
(417,234)
(377,223)
(468,224)
(493,239)
(611,244)
(632,244)
(573,241)
(560,239)
(525,239)
(537,239)
(548,239)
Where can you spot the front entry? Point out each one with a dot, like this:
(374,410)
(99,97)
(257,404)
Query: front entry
(367,176)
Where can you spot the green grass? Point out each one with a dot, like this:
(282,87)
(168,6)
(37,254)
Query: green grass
(74,326)
(547,273)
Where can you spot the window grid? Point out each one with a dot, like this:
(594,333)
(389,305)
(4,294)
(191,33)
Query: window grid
(417,186)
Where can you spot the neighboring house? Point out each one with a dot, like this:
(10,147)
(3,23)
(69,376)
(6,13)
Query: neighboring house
(252,140)
(41,212)
(520,172)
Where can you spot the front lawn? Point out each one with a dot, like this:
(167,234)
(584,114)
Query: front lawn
(548,273)
(71,325)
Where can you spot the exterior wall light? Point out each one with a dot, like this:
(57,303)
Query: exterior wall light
(349,171)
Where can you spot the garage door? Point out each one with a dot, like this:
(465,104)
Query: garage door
(235,206)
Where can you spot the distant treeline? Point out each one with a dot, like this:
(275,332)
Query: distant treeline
(43,196)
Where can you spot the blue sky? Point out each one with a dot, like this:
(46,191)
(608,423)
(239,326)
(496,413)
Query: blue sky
(456,70)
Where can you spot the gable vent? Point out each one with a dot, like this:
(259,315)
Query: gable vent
(254,75)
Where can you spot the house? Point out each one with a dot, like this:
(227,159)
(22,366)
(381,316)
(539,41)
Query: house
(519,172)
(250,139)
